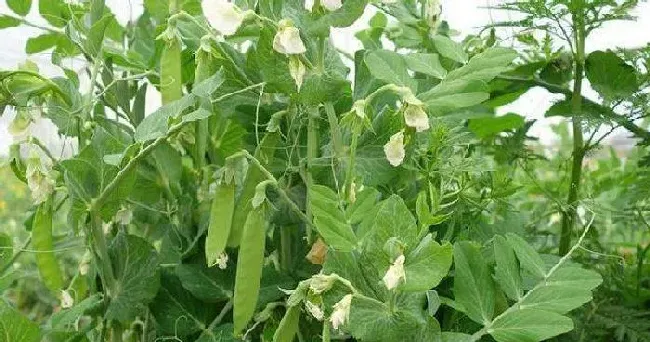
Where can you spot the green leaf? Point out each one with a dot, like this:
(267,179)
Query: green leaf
(330,219)
(507,272)
(55,12)
(389,67)
(489,126)
(473,285)
(20,7)
(135,267)
(208,284)
(371,320)
(210,85)
(176,311)
(95,38)
(426,63)
(588,109)
(41,43)
(393,220)
(288,326)
(450,49)
(426,265)
(16,328)
(528,257)
(8,21)
(66,318)
(529,325)
(610,76)
(220,333)
(456,337)
(156,124)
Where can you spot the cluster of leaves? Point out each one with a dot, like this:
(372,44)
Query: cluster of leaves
(261,155)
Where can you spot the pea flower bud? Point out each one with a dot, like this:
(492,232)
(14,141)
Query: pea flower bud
(416,117)
(315,310)
(331,5)
(395,273)
(394,149)
(222,260)
(287,40)
(66,299)
(39,181)
(321,283)
(297,71)
(341,313)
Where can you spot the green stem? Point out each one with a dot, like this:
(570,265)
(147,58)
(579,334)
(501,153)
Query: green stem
(569,213)
(349,178)
(102,258)
(312,153)
(335,129)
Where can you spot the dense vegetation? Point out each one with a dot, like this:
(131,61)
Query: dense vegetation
(286,190)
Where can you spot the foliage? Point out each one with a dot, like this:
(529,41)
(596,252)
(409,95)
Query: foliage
(285,190)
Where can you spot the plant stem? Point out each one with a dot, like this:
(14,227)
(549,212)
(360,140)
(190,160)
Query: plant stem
(569,213)
(349,178)
(312,153)
(335,129)
(101,253)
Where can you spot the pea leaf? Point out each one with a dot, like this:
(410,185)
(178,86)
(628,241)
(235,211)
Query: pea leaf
(208,284)
(55,12)
(389,67)
(41,43)
(371,320)
(507,272)
(456,337)
(610,75)
(177,312)
(450,49)
(220,333)
(330,219)
(155,125)
(473,285)
(392,220)
(489,126)
(426,63)
(135,267)
(16,328)
(20,7)
(67,317)
(529,325)
(426,265)
(528,257)
(8,21)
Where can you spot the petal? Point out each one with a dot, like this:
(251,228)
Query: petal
(394,149)
(224,16)
(331,5)
(416,117)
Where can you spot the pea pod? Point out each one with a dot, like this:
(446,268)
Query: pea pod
(249,268)
(206,66)
(265,153)
(48,267)
(171,81)
(288,325)
(223,206)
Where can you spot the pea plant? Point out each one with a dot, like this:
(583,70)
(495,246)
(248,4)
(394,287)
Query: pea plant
(286,190)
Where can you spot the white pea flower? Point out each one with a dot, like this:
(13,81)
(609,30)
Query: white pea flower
(416,117)
(224,16)
(297,71)
(432,10)
(320,283)
(395,273)
(394,149)
(124,216)
(66,299)
(84,265)
(39,180)
(341,313)
(287,40)
(315,310)
(222,260)
(331,5)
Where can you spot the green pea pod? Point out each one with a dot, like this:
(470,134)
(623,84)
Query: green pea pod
(223,206)
(42,241)
(171,80)
(249,268)
(265,153)
(206,66)
(288,326)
